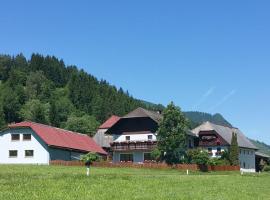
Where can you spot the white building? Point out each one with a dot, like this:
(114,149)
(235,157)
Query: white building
(135,136)
(216,138)
(33,143)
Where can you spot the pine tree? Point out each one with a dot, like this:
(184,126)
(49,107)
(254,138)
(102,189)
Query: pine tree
(2,117)
(234,151)
(172,135)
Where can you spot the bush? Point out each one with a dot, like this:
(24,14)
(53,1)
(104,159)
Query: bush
(191,154)
(218,162)
(266,168)
(213,161)
(198,156)
(89,158)
(156,154)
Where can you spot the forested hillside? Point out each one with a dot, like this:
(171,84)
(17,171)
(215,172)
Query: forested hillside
(197,118)
(264,148)
(45,90)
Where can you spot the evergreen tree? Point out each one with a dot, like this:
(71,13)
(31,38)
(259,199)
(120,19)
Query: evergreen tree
(2,117)
(41,78)
(172,135)
(234,151)
(61,107)
(85,124)
(36,111)
(11,105)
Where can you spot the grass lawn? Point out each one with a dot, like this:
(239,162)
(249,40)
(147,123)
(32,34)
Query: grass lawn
(64,183)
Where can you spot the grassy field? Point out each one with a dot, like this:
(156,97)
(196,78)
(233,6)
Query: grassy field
(64,183)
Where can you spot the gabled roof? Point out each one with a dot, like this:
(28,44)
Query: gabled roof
(60,138)
(110,122)
(141,112)
(226,134)
(263,155)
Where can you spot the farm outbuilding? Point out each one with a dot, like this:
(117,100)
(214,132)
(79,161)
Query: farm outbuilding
(34,143)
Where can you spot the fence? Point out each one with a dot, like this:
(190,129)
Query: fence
(192,167)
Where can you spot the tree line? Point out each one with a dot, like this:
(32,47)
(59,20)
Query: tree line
(45,90)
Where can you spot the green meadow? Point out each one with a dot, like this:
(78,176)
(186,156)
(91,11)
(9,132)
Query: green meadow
(65,183)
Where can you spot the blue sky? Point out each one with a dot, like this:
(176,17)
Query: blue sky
(210,56)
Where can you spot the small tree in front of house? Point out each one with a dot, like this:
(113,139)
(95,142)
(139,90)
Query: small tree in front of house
(234,151)
(156,154)
(172,135)
(88,159)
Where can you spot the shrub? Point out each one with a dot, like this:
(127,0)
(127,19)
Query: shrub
(89,158)
(213,161)
(218,162)
(198,156)
(266,168)
(156,154)
(191,154)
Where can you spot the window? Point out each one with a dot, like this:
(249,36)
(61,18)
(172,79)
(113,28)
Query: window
(13,153)
(148,157)
(244,152)
(128,138)
(126,157)
(26,136)
(218,151)
(29,153)
(240,151)
(150,137)
(15,137)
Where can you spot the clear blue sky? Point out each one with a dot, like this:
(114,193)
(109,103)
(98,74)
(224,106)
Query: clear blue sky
(211,56)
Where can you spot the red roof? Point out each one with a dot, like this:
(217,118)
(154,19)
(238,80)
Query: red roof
(62,138)
(110,122)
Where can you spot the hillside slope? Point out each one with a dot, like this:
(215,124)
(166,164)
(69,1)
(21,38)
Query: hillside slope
(45,90)
(264,148)
(197,118)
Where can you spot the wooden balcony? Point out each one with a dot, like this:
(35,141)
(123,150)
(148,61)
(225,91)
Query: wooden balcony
(133,146)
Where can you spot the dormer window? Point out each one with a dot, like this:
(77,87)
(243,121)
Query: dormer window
(127,138)
(150,137)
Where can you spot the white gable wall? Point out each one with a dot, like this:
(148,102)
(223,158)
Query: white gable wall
(135,137)
(41,155)
(247,160)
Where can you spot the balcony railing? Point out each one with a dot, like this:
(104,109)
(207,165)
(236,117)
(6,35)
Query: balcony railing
(130,146)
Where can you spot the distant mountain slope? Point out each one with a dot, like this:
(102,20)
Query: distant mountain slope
(197,118)
(264,148)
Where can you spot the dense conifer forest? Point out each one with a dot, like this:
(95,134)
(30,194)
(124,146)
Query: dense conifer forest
(45,90)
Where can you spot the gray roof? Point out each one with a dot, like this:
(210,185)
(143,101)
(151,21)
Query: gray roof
(141,112)
(226,134)
(260,154)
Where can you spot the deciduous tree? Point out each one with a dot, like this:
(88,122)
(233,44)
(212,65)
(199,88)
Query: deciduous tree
(172,135)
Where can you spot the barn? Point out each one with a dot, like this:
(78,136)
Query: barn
(33,143)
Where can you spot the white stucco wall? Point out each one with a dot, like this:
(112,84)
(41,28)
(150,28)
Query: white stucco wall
(214,150)
(41,155)
(135,137)
(247,160)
